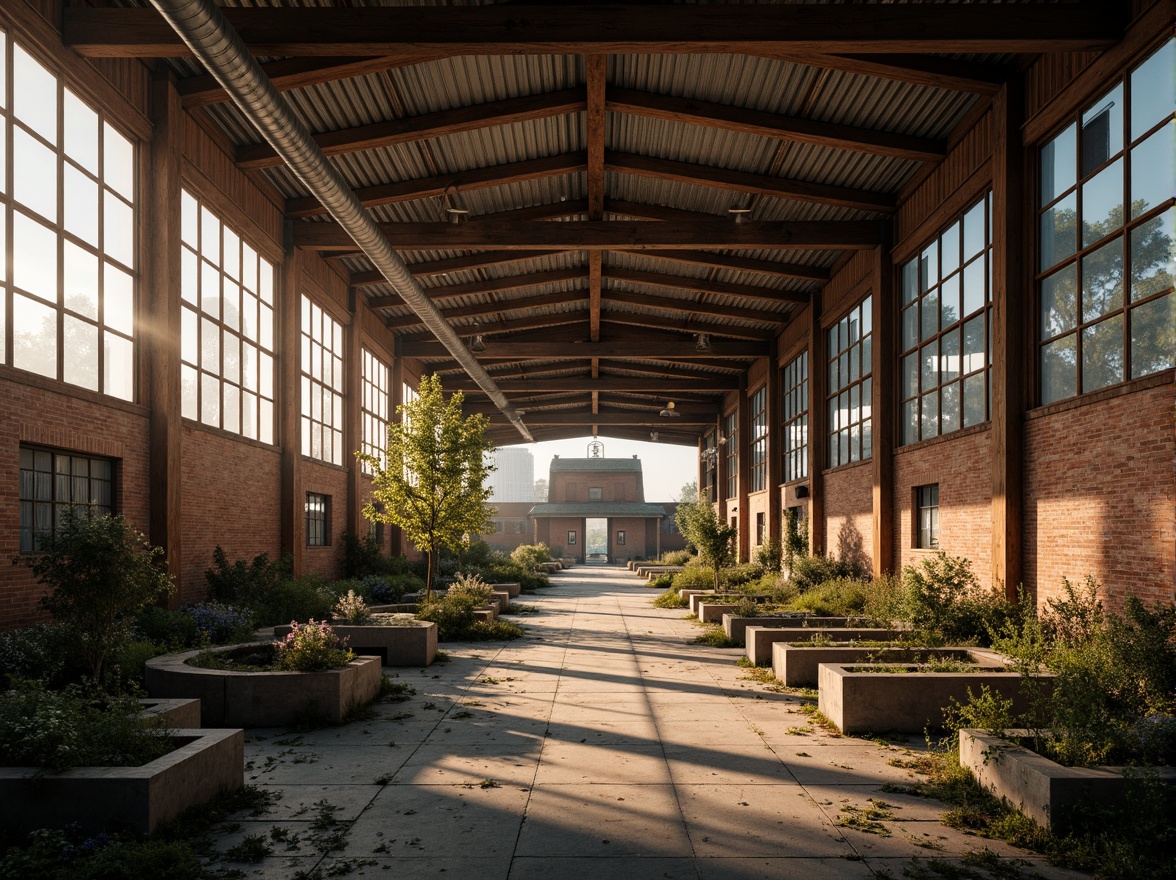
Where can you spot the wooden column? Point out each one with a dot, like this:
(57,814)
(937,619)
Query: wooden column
(775,444)
(1010,319)
(160,323)
(818,420)
(395,399)
(884,413)
(744,463)
(289,418)
(352,424)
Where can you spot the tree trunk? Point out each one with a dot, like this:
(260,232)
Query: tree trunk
(430,556)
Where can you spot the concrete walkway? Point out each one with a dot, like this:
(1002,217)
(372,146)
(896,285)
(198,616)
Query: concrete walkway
(602,745)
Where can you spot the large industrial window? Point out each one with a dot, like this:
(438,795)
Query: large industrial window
(946,308)
(927,517)
(68,199)
(318,520)
(322,384)
(731,429)
(795,427)
(758,472)
(374,408)
(1107,226)
(50,482)
(850,386)
(227,288)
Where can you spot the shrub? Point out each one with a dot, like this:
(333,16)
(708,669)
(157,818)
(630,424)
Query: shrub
(454,616)
(241,583)
(352,609)
(531,556)
(312,647)
(694,577)
(98,570)
(41,652)
(361,556)
(740,576)
(670,599)
(219,624)
(661,582)
(811,571)
(770,555)
(944,603)
(381,591)
(298,599)
(833,598)
(69,728)
(676,557)
(473,587)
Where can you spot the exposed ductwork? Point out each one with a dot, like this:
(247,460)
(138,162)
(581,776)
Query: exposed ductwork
(200,24)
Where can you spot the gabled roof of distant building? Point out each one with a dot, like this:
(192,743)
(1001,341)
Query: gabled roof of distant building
(593,509)
(596,465)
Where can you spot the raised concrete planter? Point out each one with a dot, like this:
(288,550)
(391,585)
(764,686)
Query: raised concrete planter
(712,612)
(204,763)
(863,702)
(567,561)
(395,608)
(730,598)
(412,644)
(1053,796)
(513,590)
(551,567)
(264,699)
(175,713)
(758,640)
(798,666)
(487,613)
(503,599)
(734,625)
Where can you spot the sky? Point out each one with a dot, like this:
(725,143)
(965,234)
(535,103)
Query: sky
(666,467)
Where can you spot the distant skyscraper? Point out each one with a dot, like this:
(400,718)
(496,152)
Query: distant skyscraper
(515,478)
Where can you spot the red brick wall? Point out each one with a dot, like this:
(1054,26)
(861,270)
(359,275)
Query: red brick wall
(962,466)
(1100,495)
(849,517)
(330,481)
(757,503)
(231,496)
(81,423)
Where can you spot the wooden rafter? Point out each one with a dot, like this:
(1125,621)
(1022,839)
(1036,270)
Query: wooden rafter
(531,323)
(587,417)
(493,286)
(484,310)
(597,69)
(685,325)
(702,285)
(414,32)
(633,344)
(740,264)
(681,306)
(605,383)
(465,262)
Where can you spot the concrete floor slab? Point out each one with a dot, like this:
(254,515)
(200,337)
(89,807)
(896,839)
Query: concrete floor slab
(591,763)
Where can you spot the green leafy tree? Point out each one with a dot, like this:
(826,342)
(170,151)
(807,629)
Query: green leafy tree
(99,571)
(795,538)
(702,526)
(434,483)
(689,491)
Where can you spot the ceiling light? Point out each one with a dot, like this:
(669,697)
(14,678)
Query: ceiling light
(653,436)
(669,412)
(741,215)
(479,344)
(702,343)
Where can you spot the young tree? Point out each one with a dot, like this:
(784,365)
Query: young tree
(702,526)
(688,492)
(434,483)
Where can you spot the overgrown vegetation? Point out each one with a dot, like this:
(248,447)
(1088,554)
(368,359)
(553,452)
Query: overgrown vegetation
(455,618)
(705,530)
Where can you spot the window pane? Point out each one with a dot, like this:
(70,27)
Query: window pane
(974,237)
(119,300)
(1153,178)
(119,359)
(81,281)
(34,257)
(232,254)
(209,346)
(974,287)
(118,165)
(1102,280)
(118,229)
(949,301)
(1058,161)
(1059,234)
(975,352)
(209,400)
(1153,90)
(910,421)
(1102,130)
(231,357)
(950,355)
(210,236)
(949,406)
(930,366)
(910,282)
(188,393)
(35,175)
(1102,354)
(232,408)
(81,133)
(910,327)
(929,267)
(249,366)
(34,336)
(266,421)
(81,206)
(80,353)
(189,220)
(267,375)
(249,415)
(949,249)
(1153,257)
(929,309)
(910,376)
(1102,203)
(232,305)
(34,95)
(1058,302)
(1059,375)
(1153,336)
(929,421)
(974,409)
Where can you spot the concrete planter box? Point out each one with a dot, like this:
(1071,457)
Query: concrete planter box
(758,640)
(395,608)
(503,599)
(1053,796)
(513,590)
(798,666)
(205,763)
(487,613)
(733,625)
(698,598)
(264,699)
(551,567)
(567,561)
(414,644)
(175,713)
(864,702)
(712,612)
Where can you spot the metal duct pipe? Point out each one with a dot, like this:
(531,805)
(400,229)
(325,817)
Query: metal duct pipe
(204,29)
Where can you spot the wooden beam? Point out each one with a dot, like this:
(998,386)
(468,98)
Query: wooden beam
(433,187)
(589,418)
(426,126)
(595,260)
(485,309)
(604,383)
(613,29)
(748,182)
(703,285)
(685,325)
(740,264)
(203,90)
(451,264)
(787,128)
(624,208)
(495,285)
(634,345)
(685,306)
(552,320)
(599,235)
(920,70)
(884,400)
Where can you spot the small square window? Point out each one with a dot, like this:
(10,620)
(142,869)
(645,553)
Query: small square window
(621,538)
(595,494)
(318,509)
(571,538)
(927,517)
